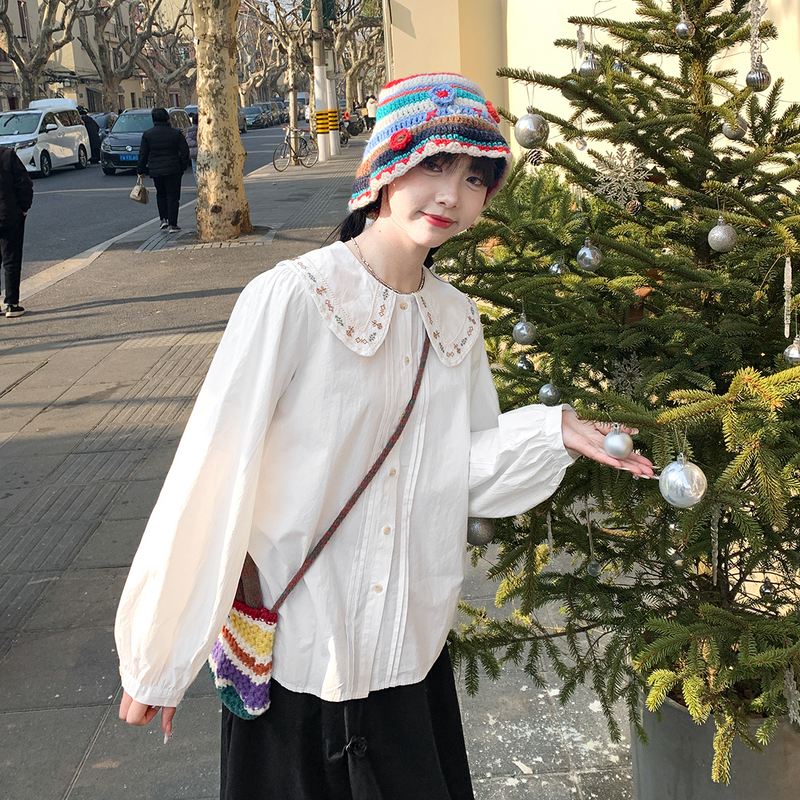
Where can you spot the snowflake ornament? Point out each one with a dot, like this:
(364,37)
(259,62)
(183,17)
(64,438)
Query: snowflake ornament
(622,176)
(626,375)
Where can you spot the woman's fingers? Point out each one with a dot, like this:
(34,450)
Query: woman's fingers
(136,713)
(167,714)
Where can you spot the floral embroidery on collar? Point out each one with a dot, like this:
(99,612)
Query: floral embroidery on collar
(358,308)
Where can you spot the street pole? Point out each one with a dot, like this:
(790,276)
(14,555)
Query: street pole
(333,106)
(387,40)
(320,87)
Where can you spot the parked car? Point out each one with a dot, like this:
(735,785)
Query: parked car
(47,135)
(256,118)
(105,122)
(282,107)
(241,119)
(269,114)
(120,149)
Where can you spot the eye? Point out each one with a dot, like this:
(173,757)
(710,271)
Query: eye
(433,166)
(476,180)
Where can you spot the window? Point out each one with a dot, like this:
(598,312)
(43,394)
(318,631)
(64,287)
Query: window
(24,25)
(48,119)
(68,118)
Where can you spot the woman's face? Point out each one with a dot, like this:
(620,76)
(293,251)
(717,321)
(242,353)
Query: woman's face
(433,201)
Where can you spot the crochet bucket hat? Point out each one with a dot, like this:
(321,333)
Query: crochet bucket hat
(421,116)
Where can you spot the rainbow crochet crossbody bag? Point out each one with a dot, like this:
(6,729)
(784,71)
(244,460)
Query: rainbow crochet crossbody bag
(241,658)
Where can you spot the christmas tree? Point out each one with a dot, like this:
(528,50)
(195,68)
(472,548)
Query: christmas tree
(651,250)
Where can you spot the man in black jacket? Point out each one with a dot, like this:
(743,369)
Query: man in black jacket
(165,154)
(16,197)
(93,129)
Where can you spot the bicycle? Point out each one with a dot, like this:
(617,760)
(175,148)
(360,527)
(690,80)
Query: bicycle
(306,152)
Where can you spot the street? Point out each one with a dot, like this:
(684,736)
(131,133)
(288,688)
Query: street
(76,209)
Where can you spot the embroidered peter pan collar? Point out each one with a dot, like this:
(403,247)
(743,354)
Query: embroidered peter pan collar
(358,308)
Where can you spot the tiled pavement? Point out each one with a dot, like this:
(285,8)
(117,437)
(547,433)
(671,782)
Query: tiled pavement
(96,383)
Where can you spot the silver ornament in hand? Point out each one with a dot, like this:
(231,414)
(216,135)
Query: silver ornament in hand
(617,443)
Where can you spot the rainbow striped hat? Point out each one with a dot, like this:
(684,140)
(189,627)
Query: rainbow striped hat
(419,117)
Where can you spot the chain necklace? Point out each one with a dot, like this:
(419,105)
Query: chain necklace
(372,272)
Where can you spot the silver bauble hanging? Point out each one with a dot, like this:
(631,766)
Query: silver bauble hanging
(523,363)
(589,257)
(767,589)
(524,332)
(590,68)
(480,531)
(722,237)
(593,569)
(617,443)
(620,67)
(558,268)
(531,130)
(791,355)
(682,483)
(685,28)
(581,143)
(737,133)
(550,394)
(758,78)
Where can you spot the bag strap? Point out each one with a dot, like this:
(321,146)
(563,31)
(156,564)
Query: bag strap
(249,586)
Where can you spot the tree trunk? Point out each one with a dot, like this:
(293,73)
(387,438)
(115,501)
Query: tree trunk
(28,86)
(222,210)
(111,93)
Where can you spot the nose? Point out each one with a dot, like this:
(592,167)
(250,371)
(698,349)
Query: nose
(448,188)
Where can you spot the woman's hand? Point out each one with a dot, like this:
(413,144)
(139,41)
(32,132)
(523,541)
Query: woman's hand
(136,713)
(586,438)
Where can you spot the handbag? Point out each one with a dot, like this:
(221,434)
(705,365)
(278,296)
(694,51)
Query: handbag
(241,658)
(139,192)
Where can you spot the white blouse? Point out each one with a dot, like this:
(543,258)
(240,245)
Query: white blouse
(310,379)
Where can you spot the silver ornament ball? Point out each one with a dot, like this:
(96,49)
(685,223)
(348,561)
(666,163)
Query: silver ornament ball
(589,257)
(558,268)
(759,77)
(531,130)
(791,355)
(593,569)
(682,483)
(685,28)
(524,332)
(620,67)
(570,85)
(722,237)
(739,132)
(767,589)
(550,394)
(590,68)
(581,143)
(480,531)
(617,443)
(523,363)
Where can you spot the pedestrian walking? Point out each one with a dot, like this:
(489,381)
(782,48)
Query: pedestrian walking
(322,356)
(165,154)
(93,129)
(16,197)
(191,141)
(372,111)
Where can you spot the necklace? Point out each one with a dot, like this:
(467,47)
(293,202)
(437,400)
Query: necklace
(372,272)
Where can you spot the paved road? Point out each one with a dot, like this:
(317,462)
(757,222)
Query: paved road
(74,210)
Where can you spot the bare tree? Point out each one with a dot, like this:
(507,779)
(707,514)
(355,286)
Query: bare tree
(350,21)
(113,36)
(260,59)
(167,56)
(29,52)
(222,209)
(357,58)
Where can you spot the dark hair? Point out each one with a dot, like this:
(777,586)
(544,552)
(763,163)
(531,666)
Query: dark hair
(489,170)
(193,118)
(160,115)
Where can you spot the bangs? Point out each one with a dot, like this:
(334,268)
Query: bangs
(489,170)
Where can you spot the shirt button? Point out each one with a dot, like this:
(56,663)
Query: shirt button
(406,360)
(404,305)
(392,472)
(377,588)
(387,530)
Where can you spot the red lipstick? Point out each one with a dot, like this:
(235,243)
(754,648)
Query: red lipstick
(439,222)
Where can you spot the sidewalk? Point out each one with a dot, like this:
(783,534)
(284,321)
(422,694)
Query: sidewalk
(96,384)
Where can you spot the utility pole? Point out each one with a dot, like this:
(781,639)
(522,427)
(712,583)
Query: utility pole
(320,82)
(387,39)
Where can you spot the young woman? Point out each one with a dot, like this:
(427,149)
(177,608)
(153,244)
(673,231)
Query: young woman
(316,366)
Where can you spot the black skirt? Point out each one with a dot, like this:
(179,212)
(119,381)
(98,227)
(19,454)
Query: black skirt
(401,743)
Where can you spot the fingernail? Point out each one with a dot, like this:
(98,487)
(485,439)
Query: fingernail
(167,737)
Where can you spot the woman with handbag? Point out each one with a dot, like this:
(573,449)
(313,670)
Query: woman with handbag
(351,394)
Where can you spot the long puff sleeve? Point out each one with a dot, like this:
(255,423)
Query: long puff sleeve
(517,459)
(184,575)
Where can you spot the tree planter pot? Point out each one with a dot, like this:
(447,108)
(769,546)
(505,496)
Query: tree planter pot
(676,765)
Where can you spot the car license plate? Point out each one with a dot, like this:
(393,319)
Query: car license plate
(129,157)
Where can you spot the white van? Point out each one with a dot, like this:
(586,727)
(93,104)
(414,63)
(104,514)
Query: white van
(47,135)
